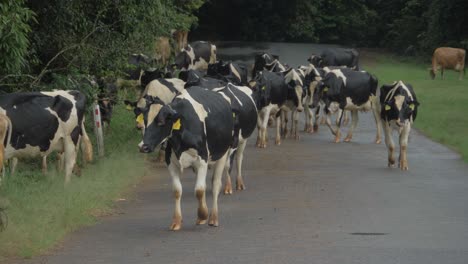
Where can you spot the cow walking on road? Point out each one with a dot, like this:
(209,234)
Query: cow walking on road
(345,89)
(198,126)
(398,110)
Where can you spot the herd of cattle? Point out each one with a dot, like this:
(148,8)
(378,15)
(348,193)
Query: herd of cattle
(203,116)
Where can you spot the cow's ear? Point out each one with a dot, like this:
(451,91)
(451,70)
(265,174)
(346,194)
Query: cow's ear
(130,105)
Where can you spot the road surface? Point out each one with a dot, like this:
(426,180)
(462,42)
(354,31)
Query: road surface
(307,201)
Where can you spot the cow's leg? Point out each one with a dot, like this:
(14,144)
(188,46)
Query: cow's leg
(217,174)
(322,114)
(442,73)
(338,128)
(175,173)
(403,146)
(378,123)
(355,119)
(278,136)
(44,165)
(294,122)
(389,143)
(239,157)
(200,191)
(227,168)
(263,143)
(346,118)
(259,129)
(284,122)
(70,158)
(316,119)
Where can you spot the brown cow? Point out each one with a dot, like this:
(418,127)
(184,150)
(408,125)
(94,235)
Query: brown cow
(448,58)
(162,49)
(5,136)
(180,37)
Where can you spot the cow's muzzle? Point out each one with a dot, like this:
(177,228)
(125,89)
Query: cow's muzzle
(145,149)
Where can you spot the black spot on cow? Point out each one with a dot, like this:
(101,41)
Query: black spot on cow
(62,106)
(75,134)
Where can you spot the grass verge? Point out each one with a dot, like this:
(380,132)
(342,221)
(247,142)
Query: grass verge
(42,211)
(442,114)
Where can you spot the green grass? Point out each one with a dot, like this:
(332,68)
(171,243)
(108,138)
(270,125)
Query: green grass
(42,211)
(442,114)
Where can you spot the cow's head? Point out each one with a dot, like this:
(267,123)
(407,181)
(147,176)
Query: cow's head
(160,121)
(432,73)
(399,105)
(316,60)
(182,60)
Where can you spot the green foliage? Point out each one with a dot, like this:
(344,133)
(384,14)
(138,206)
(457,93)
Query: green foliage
(55,37)
(14,30)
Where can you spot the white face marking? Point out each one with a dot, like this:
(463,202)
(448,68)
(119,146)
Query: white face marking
(399,99)
(153,112)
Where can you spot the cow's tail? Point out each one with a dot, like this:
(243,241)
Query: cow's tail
(213,54)
(86,146)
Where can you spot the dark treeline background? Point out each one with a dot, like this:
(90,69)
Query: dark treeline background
(408,27)
(45,42)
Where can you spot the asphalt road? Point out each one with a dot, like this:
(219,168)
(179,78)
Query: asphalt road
(307,201)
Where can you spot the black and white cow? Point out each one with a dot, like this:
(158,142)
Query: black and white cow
(345,89)
(312,75)
(44,122)
(198,126)
(336,57)
(245,118)
(294,80)
(164,89)
(196,56)
(233,72)
(398,110)
(266,61)
(270,94)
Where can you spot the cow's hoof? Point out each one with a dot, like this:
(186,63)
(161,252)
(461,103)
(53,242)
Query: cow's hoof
(213,220)
(228,190)
(176,225)
(240,187)
(378,141)
(347,139)
(278,142)
(337,140)
(403,166)
(391,164)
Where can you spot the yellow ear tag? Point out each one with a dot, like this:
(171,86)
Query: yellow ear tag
(387,107)
(325,89)
(140,119)
(176,125)
(264,87)
(129,108)
(411,106)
